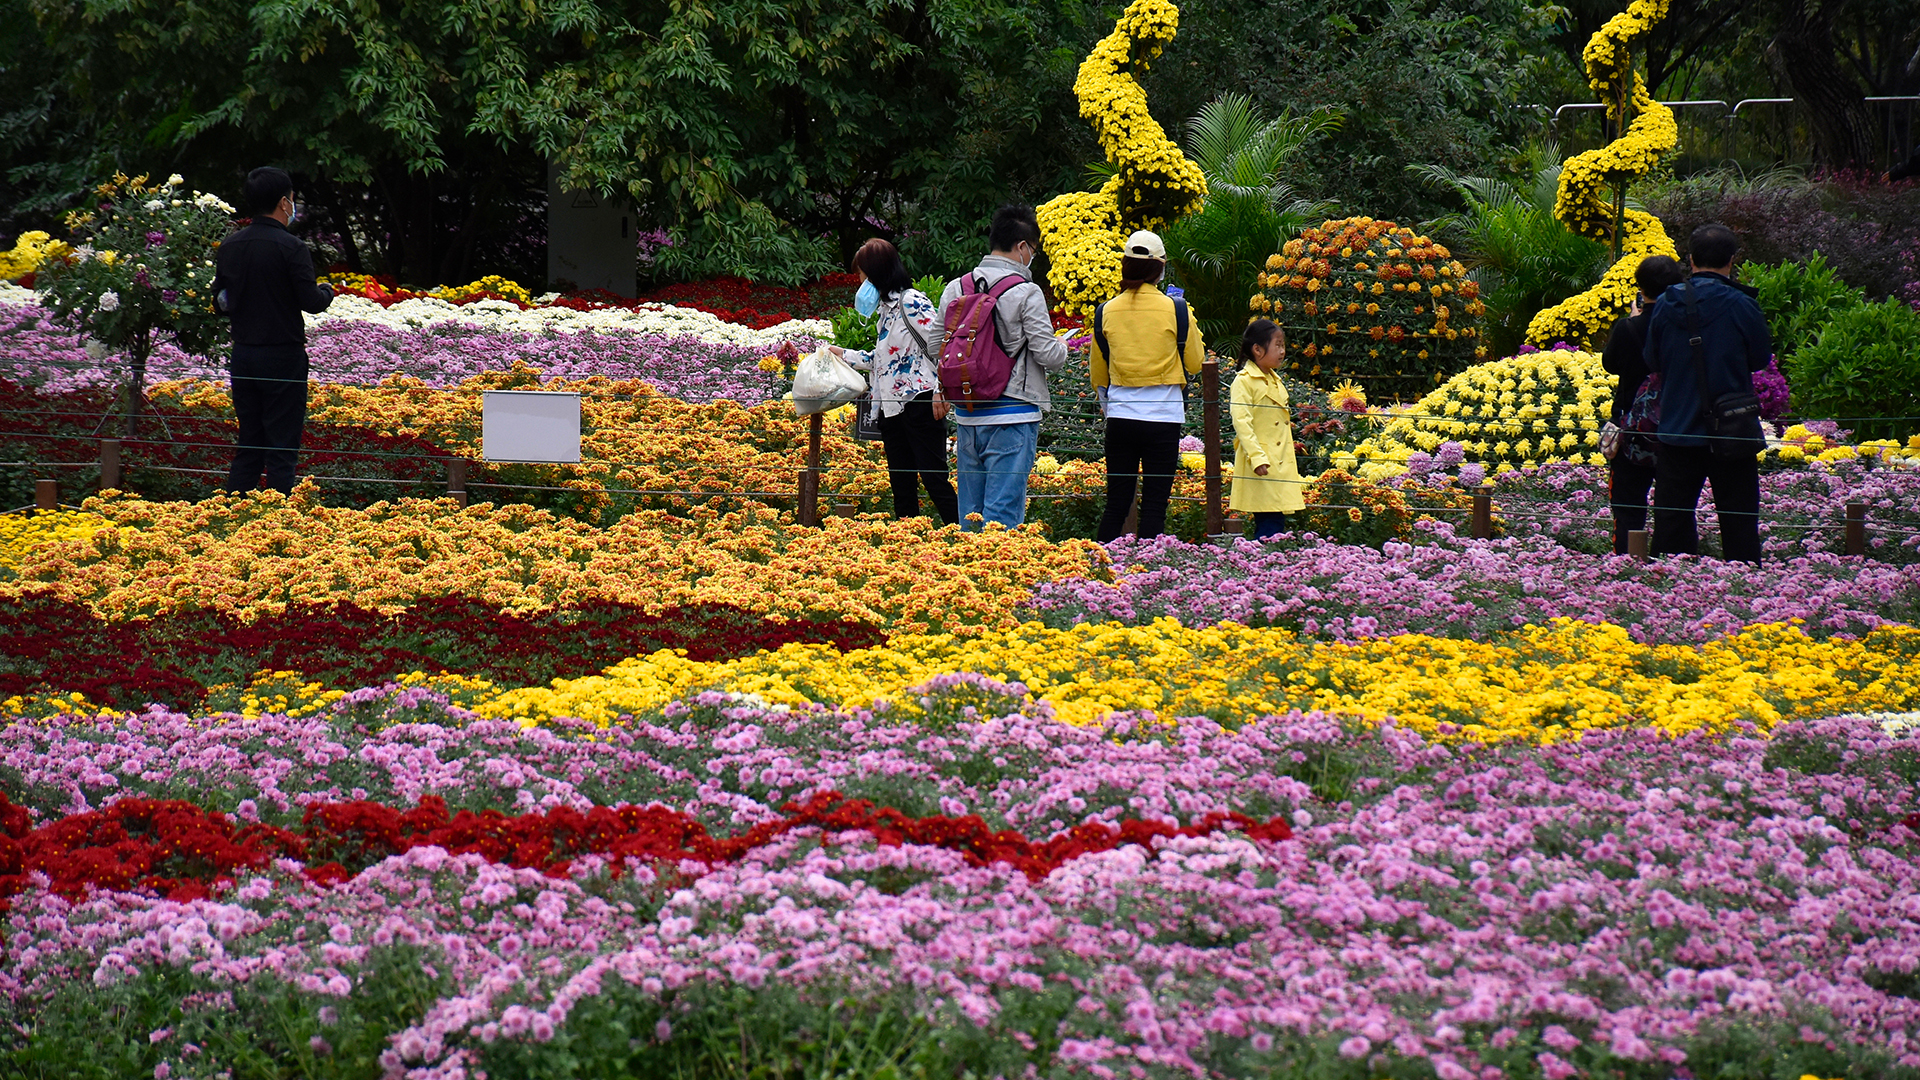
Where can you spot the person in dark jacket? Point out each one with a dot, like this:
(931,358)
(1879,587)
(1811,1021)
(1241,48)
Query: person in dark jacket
(264,281)
(1630,481)
(1733,344)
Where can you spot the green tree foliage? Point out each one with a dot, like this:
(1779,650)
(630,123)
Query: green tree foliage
(1250,211)
(1524,258)
(1415,81)
(423,123)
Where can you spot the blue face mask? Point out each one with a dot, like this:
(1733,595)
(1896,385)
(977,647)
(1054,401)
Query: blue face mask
(867,300)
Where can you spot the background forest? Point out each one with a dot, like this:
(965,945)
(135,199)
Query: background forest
(766,138)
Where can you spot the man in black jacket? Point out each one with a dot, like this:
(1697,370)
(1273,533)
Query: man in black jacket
(264,281)
(1730,342)
(1631,479)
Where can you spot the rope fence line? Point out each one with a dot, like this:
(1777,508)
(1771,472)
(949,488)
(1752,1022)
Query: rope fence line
(1514,505)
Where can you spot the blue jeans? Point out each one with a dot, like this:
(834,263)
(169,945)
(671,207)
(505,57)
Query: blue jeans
(1268,523)
(991,471)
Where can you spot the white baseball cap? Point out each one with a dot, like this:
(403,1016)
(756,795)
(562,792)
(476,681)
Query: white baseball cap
(1145,245)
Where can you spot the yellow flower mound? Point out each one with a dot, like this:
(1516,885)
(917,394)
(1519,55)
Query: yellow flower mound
(1541,683)
(29,251)
(1520,410)
(1153,182)
(256,554)
(1588,180)
(25,534)
(492,284)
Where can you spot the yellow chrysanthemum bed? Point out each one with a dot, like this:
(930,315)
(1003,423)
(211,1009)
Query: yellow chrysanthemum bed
(1542,683)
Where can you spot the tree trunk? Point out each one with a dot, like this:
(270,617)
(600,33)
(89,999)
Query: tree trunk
(137,350)
(1835,107)
(337,206)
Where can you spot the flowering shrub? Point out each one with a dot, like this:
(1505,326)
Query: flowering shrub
(1588,181)
(1398,309)
(1152,182)
(1786,854)
(145,268)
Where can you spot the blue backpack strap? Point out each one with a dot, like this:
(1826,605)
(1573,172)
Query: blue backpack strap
(1180,322)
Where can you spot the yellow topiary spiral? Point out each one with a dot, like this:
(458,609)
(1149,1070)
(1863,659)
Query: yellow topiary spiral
(1153,182)
(1587,182)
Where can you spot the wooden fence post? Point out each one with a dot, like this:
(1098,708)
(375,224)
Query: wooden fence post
(1483,513)
(109,464)
(46,494)
(1210,434)
(1856,528)
(457,480)
(810,476)
(1637,544)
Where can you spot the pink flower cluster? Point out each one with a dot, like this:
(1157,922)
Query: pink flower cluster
(1627,901)
(1448,585)
(36,352)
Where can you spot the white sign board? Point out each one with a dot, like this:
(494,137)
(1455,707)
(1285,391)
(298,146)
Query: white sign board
(530,425)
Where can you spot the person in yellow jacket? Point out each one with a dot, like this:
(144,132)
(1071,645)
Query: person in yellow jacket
(1266,482)
(1144,347)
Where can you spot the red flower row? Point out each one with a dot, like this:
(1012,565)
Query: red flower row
(183,852)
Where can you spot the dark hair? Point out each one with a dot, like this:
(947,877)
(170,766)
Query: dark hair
(1656,272)
(1013,223)
(266,186)
(1136,271)
(1259,334)
(880,261)
(1712,246)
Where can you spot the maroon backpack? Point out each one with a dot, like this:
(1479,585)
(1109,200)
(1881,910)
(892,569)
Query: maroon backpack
(974,366)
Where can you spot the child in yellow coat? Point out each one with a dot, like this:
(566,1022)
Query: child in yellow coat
(1266,481)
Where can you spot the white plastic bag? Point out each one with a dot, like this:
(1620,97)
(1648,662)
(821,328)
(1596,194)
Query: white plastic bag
(823,381)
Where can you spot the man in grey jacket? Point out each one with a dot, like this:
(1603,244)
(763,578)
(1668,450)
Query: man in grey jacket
(997,440)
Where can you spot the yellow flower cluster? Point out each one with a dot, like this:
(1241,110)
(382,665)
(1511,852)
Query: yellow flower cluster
(1372,299)
(254,554)
(1541,683)
(1153,182)
(1588,181)
(491,285)
(1520,410)
(29,251)
(22,534)
(1798,444)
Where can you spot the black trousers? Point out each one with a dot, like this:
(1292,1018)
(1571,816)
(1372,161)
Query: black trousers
(1150,452)
(270,398)
(1628,489)
(916,446)
(1736,497)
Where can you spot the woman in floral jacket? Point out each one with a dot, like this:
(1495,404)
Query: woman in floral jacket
(905,382)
